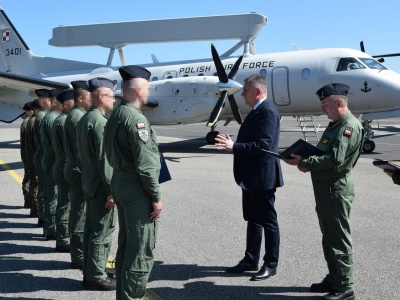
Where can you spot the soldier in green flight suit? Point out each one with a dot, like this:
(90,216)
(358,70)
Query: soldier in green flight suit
(101,216)
(131,147)
(30,151)
(25,182)
(66,98)
(72,171)
(333,189)
(45,104)
(50,199)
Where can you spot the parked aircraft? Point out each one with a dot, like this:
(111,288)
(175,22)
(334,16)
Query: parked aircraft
(194,91)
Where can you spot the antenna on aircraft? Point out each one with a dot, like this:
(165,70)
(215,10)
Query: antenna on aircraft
(228,87)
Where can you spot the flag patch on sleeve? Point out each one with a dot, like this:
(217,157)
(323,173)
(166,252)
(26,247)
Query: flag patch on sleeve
(140,125)
(348,132)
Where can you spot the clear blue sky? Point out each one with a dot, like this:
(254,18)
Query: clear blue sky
(309,24)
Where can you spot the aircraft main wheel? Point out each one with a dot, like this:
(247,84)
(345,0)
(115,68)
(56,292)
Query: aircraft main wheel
(369,146)
(210,137)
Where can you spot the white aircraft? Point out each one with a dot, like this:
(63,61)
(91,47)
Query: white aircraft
(190,92)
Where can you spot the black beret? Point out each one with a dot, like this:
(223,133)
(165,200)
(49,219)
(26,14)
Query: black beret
(333,89)
(97,82)
(27,106)
(55,92)
(65,95)
(80,84)
(132,71)
(35,104)
(43,93)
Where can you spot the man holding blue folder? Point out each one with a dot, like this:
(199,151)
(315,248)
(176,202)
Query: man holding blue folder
(333,188)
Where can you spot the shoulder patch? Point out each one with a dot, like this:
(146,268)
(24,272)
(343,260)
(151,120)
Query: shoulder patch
(348,132)
(140,125)
(143,135)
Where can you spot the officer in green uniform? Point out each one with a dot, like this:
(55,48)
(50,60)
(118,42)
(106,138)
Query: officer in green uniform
(72,172)
(30,150)
(66,98)
(25,181)
(50,202)
(45,104)
(131,147)
(101,216)
(333,189)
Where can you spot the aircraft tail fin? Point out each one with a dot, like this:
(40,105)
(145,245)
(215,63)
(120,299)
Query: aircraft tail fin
(17,58)
(15,55)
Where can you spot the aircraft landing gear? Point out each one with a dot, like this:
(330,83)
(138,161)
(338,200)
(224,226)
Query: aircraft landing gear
(369,145)
(210,137)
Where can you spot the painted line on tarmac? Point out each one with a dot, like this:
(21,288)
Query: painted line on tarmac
(10,171)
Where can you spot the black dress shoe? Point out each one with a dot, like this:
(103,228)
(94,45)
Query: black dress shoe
(264,273)
(106,284)
(62,249)
(321,287)
(340,296)
(242,267)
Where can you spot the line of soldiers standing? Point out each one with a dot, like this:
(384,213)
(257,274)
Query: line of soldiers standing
(67,183)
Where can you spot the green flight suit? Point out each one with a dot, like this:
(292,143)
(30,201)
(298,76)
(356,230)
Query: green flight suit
(72,173)
(30,151)
(37,162)
(96,177)
(25,180)
(62,210)
(131,147)
(50,202)
(334,193)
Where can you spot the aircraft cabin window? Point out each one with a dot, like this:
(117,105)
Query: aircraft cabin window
(201,74)
(263,73)
(305,74)
(372,63)
(155,78)
(349,63)
(186,75)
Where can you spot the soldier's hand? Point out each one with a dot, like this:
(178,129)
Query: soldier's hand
(157,207)
(110,202)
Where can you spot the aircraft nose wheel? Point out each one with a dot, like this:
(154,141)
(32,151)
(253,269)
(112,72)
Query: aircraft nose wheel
(368,147)
(210,137)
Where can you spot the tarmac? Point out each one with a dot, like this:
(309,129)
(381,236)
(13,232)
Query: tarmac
(202,230)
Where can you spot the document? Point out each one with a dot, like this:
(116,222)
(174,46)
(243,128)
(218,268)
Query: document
(386,165)
(164,172)
(301,147)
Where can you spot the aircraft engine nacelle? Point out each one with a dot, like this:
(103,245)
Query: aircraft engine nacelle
(183,100)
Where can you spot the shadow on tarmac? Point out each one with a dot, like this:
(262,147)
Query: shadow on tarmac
(13,166)
(200,290)
(10,144)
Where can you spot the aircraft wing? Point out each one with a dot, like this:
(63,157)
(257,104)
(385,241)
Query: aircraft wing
(25,83)
(11,87)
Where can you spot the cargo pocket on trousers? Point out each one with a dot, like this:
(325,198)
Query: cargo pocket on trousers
(136,284)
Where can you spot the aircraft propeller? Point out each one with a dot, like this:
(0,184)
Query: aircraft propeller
(381,59)
(227,87)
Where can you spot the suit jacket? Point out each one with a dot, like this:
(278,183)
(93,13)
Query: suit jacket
(252,167)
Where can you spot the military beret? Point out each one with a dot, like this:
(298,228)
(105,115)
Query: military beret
(333,89)
(43,93)
(27,106)
(98,82)
(65,95)
(35,104)
(55,92)
(132,71)
(80,84)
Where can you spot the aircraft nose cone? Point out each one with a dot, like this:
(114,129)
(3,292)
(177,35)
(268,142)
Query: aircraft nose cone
(231,87)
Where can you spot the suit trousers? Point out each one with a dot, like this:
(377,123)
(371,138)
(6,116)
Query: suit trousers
(260,214)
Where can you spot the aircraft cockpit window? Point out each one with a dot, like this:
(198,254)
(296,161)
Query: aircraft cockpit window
(372,63)
(349,63)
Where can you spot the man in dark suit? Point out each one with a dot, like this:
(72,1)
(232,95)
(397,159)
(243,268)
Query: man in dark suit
(258,174)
